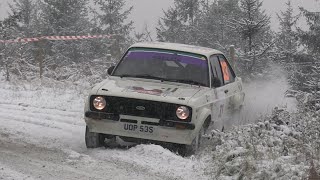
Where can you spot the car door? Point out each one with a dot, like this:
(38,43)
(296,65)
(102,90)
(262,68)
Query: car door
(232,91)
(218,95)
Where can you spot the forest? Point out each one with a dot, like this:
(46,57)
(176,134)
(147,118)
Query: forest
(216,24)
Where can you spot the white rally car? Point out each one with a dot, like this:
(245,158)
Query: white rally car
(163,93)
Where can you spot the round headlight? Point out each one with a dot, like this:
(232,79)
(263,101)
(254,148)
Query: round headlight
(99,103)
(183,112)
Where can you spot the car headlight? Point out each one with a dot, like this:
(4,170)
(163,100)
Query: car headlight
(183,112)
(99,103)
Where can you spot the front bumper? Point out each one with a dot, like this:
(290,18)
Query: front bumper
(163,131)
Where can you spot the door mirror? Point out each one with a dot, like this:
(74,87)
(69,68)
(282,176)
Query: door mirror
(215,82)
(110,70)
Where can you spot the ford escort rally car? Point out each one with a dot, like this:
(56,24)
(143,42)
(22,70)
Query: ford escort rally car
(163,92)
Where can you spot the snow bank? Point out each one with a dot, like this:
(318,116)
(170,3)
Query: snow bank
(282,147)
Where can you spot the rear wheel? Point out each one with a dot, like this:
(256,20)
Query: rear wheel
(94,140)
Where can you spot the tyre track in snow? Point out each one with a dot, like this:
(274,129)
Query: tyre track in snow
(35,109)
(43,163)
(31,114)
(47,143)
(42,126)
(48,156)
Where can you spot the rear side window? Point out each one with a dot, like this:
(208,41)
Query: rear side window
(216,68)
(227,72)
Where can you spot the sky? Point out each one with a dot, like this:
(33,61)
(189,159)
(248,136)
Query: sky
(148,12)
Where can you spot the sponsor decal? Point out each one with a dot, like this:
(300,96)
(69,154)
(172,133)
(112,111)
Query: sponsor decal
(156,92)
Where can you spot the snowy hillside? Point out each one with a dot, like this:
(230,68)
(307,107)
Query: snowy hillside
(42,137)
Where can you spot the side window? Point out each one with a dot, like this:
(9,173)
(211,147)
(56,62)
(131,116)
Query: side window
(216,70)
(228,74)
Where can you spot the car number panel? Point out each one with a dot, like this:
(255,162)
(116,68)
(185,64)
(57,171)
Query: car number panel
(136,128)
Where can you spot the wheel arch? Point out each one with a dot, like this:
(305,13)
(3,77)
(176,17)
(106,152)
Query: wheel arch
(203,118)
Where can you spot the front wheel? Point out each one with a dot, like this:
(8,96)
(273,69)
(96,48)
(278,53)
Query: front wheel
(93,140)
(188,150)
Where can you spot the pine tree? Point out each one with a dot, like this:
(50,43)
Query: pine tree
(110,18)
(254,29)
(310,72)
(26,10)
(188,10)
(143,36)
(311,38)
(253,22)
(200,22)
(214,24)
(64,18)
(171,28)
(180,23)
(287,43)
(9,26)
(287,46)
(25,53)
(9,30)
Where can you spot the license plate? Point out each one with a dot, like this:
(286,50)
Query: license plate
(138,128)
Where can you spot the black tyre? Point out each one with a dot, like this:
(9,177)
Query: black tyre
(93,140)
(188,150)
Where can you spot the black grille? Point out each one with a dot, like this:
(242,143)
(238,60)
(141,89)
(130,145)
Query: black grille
(141,108)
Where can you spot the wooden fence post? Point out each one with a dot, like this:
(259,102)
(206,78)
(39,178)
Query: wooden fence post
(7,72)
(40,55)
(5,63)
(41,63)
(232,52)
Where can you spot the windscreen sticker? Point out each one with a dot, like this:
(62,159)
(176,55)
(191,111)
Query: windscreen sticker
(162,51)
(148,55)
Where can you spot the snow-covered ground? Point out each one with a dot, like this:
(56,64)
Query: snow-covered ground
(42,137)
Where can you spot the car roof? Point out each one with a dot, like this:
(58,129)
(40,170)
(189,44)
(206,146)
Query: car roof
(178,47)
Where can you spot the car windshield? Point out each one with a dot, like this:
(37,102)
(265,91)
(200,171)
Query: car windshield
(164,65)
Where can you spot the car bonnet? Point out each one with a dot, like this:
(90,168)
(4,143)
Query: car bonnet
(148,89)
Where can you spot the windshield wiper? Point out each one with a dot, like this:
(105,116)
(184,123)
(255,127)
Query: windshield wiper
(125,75)
(145,76)
(186,81)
